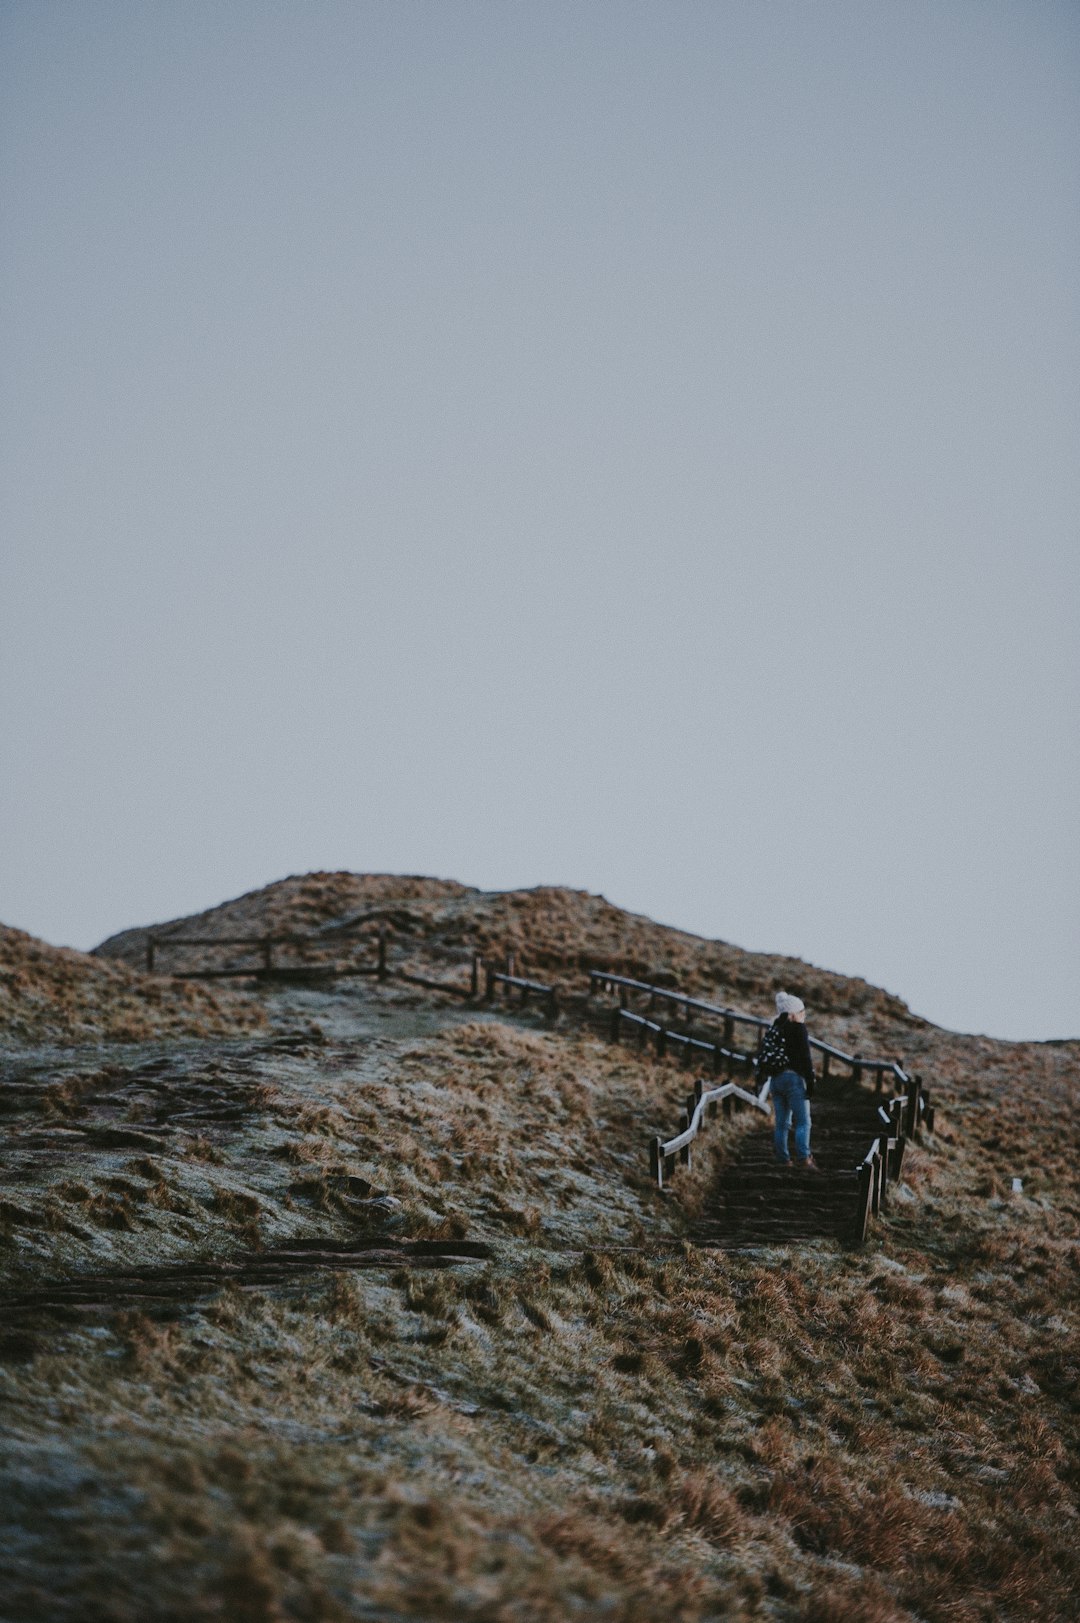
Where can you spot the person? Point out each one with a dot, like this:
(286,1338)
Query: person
(792,1087)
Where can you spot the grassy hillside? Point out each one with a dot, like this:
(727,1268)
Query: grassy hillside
(234,1387)
(54,994)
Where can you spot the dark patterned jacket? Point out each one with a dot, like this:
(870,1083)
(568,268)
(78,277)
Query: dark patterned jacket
(797,1044)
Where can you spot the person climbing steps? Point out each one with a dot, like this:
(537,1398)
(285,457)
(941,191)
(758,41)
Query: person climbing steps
(786,1060)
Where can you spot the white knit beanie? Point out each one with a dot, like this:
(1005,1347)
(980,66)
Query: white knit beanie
(787,1003)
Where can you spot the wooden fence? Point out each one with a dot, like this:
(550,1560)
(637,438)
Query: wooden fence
(263,949)
(659,996)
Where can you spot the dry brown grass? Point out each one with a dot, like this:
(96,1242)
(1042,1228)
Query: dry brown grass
(56,995)
(599,1421)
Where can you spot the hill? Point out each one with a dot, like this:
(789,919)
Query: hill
(375,1313)
(557,930)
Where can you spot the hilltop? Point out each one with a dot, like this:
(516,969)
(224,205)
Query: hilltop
(550,928)
(364,1305)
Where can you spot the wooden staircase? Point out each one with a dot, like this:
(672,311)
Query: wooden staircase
(757,1202)
(858,1137)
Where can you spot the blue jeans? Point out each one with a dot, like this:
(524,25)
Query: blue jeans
(792,1109)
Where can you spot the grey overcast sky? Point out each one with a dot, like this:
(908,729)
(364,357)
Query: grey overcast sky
(629,446)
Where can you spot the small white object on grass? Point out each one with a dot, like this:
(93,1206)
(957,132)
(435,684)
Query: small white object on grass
(1018,1186)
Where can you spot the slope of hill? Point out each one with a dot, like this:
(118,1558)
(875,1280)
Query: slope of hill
(55,994)
(375,1314)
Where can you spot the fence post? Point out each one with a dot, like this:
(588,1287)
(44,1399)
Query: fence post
(885,1154)
(656,1162)
(511,960)
(897,1112)
(489,983)
(474,978)
(684,1125)
(914,1091)
(825,1067)
(149,955)
(862,1222)
(268,953)
(856,1069)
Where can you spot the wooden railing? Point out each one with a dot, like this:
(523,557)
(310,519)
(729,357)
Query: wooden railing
(264,946)
(668,1040)
(601,981)
(703,1103)
(525,987)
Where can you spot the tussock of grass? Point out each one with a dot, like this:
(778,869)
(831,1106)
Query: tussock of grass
(57,995)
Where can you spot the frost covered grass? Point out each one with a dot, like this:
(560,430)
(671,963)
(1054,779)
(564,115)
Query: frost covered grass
(550,1434)
(599,1420)
(54,994)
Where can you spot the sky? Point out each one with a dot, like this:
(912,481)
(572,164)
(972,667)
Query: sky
(626,446)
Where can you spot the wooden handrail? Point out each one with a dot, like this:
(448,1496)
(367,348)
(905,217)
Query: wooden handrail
(264,943)
(224,940)
(602,978)
(703,1101)
(496,977)
(666,1037)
